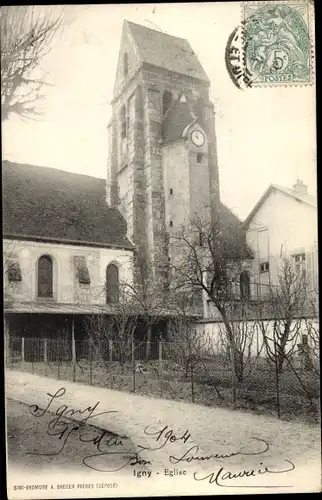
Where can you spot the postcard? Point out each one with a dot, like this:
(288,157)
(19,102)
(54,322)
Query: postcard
(160,249)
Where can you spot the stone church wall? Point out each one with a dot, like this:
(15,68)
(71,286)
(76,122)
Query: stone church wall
(66,287)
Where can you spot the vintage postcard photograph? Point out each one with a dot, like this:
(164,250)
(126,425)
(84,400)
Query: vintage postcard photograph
(160,249)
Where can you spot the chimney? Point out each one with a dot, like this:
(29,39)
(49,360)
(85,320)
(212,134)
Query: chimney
(300,187)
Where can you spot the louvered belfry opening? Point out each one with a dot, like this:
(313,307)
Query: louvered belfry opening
(45,276)
(167,100)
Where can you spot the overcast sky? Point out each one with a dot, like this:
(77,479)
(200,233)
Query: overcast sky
(264,135)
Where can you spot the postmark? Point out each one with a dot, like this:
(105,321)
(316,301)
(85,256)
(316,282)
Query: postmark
(273,46)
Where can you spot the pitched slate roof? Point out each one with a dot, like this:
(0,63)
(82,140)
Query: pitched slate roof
(54,205)
(166,51)
(306,198)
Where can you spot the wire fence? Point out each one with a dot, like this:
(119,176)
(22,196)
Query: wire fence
(175,370)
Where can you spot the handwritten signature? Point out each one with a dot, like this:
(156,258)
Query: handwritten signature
(118,448)
(222,475)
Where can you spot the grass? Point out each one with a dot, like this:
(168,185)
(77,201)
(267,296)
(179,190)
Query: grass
(299,397)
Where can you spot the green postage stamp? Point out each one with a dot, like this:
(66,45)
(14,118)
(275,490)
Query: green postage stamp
(277,42)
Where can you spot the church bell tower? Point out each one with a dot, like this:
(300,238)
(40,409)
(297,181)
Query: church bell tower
(162,163)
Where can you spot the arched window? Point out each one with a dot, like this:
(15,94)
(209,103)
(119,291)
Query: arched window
(123,121)
(244,283)
(112,284)
(125,65)
(45,276)
(166,101)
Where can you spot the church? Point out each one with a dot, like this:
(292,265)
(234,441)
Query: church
(162,164)
(69,239)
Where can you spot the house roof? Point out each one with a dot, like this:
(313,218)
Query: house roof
(306,198)
(42,203)
(55,308)
(166,51)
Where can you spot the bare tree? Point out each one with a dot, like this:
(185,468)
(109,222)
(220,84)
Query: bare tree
(210,255)
(288,301)
(248,328)
(148,294)
(27,33)
(189,346)
(124,322)
(114,330)
(99,333)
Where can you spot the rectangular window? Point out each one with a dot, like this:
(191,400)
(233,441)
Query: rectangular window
(299,257)
(82,273)
(199,157)
(264,267)
(171,223)
(171,191)
(14,271)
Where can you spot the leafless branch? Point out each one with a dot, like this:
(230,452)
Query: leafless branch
(27,34)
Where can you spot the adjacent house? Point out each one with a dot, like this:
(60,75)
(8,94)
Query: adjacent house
(283,224)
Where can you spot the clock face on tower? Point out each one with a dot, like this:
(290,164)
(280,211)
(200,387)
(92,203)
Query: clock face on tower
(197,138)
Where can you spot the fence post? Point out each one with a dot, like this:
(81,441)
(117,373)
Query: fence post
(160,357)
(90,363)
(45,351)
(110,348)
(73,350)
(133,365)
(23,350)
(278,404)
(132,352)
(7,341)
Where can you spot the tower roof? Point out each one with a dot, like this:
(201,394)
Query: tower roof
(166,51)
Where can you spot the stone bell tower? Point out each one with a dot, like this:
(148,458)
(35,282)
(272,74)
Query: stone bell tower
(162,162)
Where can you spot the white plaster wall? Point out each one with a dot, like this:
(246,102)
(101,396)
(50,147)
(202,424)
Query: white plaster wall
(290,223)
(215,330)
(176,176)
(97,259)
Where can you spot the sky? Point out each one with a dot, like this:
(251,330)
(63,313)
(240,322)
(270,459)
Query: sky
(264,135)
